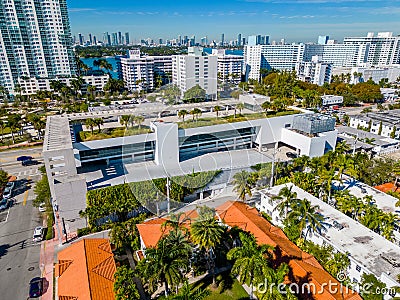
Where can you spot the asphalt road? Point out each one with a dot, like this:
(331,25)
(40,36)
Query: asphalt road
(10,156)
(19,255)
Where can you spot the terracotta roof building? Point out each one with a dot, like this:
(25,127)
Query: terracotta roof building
(85,271)
(304,268)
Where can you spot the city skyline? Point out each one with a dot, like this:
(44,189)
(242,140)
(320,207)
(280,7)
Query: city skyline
(164,19)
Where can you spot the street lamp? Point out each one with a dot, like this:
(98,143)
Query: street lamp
(168,185)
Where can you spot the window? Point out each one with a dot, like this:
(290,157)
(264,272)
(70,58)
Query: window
(358,268)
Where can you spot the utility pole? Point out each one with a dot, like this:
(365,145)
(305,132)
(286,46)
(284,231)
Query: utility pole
(271,183)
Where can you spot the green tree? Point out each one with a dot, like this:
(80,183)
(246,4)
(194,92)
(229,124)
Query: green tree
(90,123)
(286,199)
(124,120)
(98,122)
(3,178)
(217,109)
(393,133)
(251,261)
(372,287)
(195,94)
(139,120)
(14,122)
(182,113)
(124,286)
(241,181)
(240,107)
(207,233)
(195,112)
(187,292)
(3,125)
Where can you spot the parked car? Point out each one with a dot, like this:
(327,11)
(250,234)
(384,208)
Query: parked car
(7,193)
(10,185)
(38,234)
(291,155)
(6,203)
(29,162)
(36,287)
(42,207)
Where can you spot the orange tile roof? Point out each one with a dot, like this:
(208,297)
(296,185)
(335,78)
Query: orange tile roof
(151,231)
(387,187)
(303,266)
(86,270)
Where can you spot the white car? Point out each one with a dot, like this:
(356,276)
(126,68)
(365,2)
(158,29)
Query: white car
(42,207)
(38,234)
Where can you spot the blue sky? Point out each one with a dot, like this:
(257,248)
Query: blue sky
(294,20)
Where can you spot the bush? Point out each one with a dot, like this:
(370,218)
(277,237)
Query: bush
(50,223)
(84,231)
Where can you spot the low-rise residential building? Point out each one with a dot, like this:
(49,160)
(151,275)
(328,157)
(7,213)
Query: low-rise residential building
(136,71)
(33,85)
(85,270)
(330,100)
(376,74)
(315,71)
(360,140)
(368,252)
(238,214)
(196,68)
(386,123)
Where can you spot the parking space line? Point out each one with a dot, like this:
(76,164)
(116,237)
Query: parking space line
(7,215)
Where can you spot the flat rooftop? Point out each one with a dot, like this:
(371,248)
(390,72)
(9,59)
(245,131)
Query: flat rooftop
(58,135)
(367,247)
(389,117)
(378,140)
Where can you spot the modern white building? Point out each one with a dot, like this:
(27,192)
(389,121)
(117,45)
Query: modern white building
(368,252)
(316,71)
(196,68)
(168,147)
(230,66)
(280,57)
(136,71)
(376,74)
(35,41)
(385,123)
(329,100)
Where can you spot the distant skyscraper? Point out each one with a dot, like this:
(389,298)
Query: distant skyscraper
(239,39)
(81,41)
(94,40)
(323,39)
(222,39)
(114,39)
(160,41)
(90,39)
(192,40)
(29,47)
(105,38)
(185,40)
(179,39)
(119,38)
(127,40)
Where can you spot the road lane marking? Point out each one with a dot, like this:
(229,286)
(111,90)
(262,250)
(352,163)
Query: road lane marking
(26,194)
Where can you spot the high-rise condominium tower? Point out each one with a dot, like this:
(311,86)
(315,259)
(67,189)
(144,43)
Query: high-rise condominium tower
(35,41)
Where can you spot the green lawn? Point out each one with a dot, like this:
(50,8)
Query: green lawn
(189,123)
(108,133)
(228,288)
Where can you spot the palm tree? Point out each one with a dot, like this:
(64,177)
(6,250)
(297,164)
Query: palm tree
(176,222)
(13,122)
(217,109)
(241,181)
(124,120)
(307,216)
(2,127)
(90,123)
(286,199)
(139,120)
(166,263)
(187,292)
(207,233)
(98,122)
(124,286)
(182,113)
(251,261)
(240,107)
(195,112)
(276,280)
(91,89)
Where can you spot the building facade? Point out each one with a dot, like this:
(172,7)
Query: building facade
(136,71)
(315,71)
(35,41)
(386,124)
(196,68)
(229,67)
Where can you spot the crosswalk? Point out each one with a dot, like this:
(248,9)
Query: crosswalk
(29,172)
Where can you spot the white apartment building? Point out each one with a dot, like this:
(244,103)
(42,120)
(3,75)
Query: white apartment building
(385,123)
(315,71)
(31,86)
(196,68)
(230,67)
(35,41)
(363,74)
(280,57)
(368,252)
(383,49)
(136,71)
